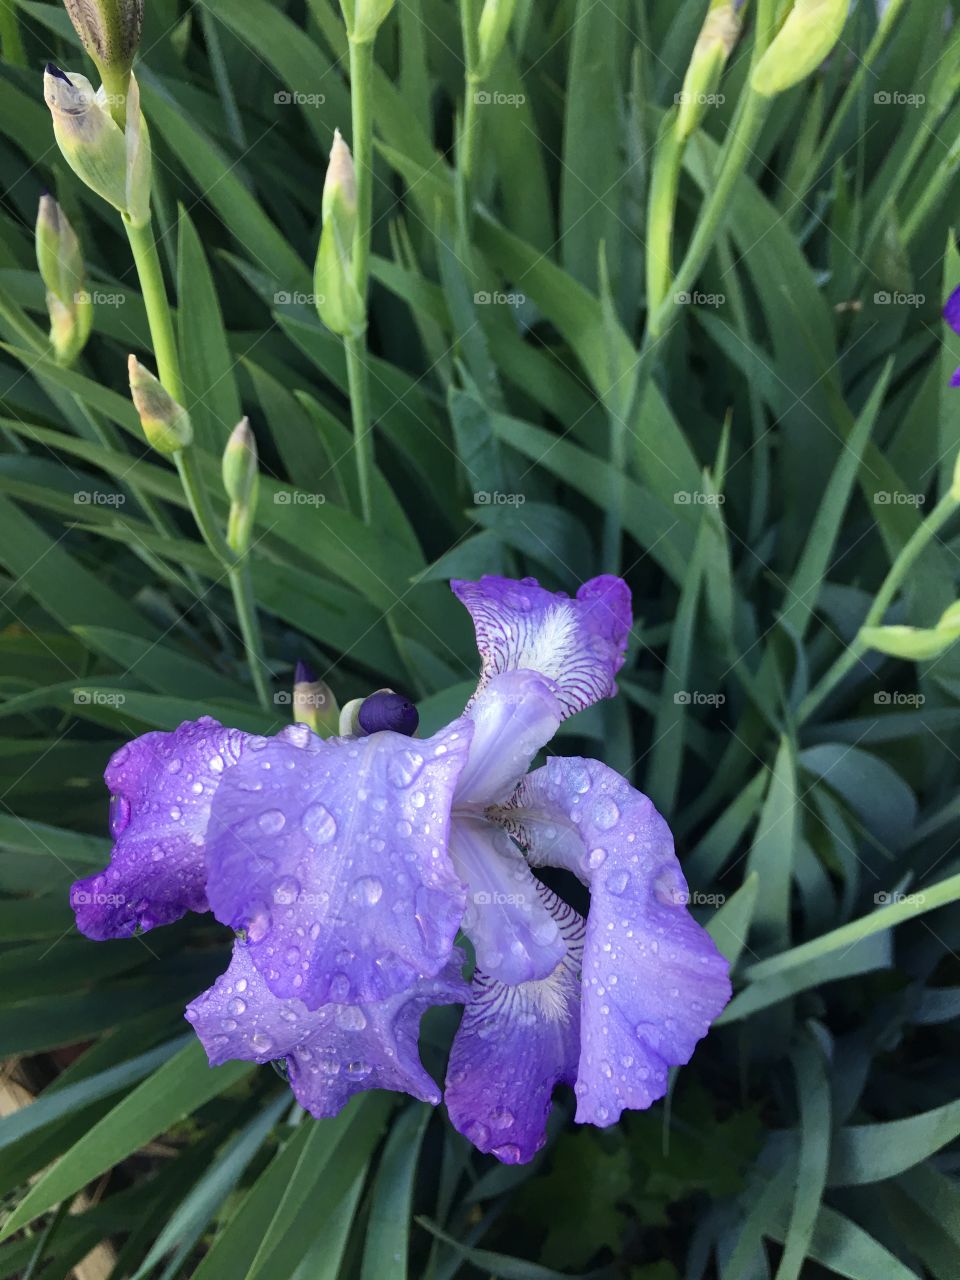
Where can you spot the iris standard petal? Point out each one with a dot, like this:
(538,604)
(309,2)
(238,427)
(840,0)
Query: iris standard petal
(578,643)
(652,978)
(332,1052)
(951,311)
(515,937)
(514,1045)
(161,786)
(332,856)
(514,715)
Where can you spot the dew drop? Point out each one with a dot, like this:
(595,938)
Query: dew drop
(237,1007)
(319,824)
(404,768)
(618,882)
(261,1042)
(606,813)
(596,858)
(367,891)
(350,1017)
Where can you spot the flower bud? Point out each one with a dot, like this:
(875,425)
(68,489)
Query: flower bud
(241,479)
(60,262)
(314,703)
(492,31)
(165,423)
(388,710)
(113,162)
(807,36)
(110,31)
(339,303)
(955,484)
(714,45)
(364,18)
(349,726)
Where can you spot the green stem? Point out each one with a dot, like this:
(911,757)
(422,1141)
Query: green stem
(469,141)
(147,260)
(242,587)
(10,40)
(160,320)
(910,553)
(361,95)
(661,212)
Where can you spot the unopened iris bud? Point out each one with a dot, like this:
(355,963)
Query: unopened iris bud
(388,710)
(364,18)
(492,31)
(112,161)
(60,261)
(339,304)
(349,725)
(714,45)
(314,703)
(165,423)
(110,31)
(808,35)
(241,479)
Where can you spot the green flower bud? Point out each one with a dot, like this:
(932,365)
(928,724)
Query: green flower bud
(165,423)
(364,18)
(314,703)
(350,718)
(955,485)
(241,479)
(809,33)
(110,31)
(718,35)
(339,303)
(60,261)
(113,162)
(492,31)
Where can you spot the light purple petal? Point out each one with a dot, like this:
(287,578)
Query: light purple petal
(578,643)
(162,785)
(332,856)
(514,935)
(951,312)
(333,1052)
(652,978)
(955,378)
(514,1045)
(514,715)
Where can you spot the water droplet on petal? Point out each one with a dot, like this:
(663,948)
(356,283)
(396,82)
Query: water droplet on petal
(404,768)
(596,858)
(367,891)
(606,813)
(261,1042)
(617,882)
(271,822)
(237,1007)
(350,1017)
(319,824)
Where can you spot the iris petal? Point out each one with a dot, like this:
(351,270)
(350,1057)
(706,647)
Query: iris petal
(652,978)
(332,1052)
(331,855)
(951,311)
(515,937)
(162,786)
(514,1045)
(578,643)
(514,715)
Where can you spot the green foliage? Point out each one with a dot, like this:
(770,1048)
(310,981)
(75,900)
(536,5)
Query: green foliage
(772,472)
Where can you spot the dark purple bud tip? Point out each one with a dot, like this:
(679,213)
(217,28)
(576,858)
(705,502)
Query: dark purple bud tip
(304,674)
(389,711)
(54,70)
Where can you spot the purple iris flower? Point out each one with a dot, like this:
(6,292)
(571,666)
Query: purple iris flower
(348,867)
(951,313)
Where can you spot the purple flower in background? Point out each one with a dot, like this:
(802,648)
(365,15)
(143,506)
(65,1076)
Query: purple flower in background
(348,866)
(951,313)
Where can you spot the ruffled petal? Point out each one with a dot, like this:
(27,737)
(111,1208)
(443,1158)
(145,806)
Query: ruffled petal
(514,715)
(578,643)
(515,937)
(652,978)
(331,855)
(161,786)
(514,1045)
(332,1052)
